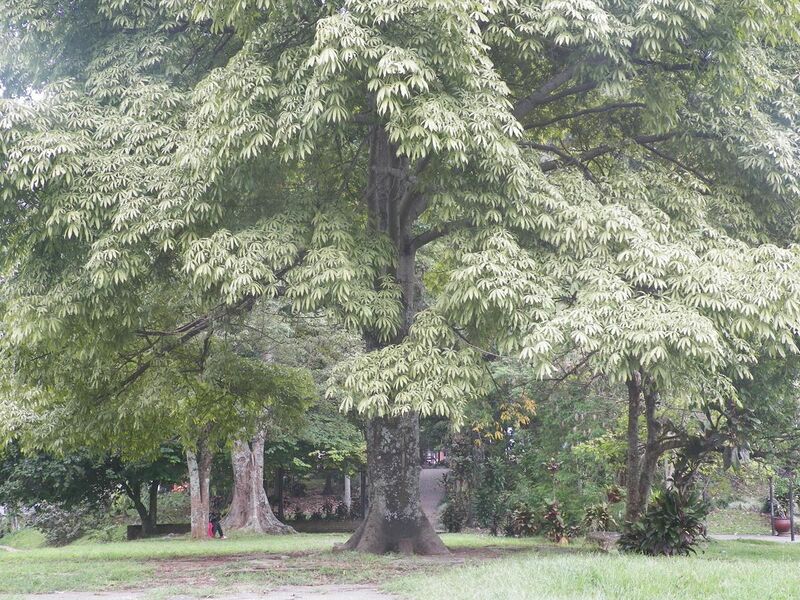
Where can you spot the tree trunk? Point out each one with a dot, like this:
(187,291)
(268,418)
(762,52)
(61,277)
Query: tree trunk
(633,505)
(250,508)
(279,493)
(199,463)
(153,503)
(394,521)
(347,498)
(328,489)
(134,491)
(642,463)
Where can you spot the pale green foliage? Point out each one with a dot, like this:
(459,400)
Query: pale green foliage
(424,373)
(616,177)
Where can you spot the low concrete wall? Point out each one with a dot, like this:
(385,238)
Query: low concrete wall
(325,526)
(135,531)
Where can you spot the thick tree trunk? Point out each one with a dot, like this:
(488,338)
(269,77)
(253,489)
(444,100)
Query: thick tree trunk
(250,508)
(199,463)
(394,521)
(134,491)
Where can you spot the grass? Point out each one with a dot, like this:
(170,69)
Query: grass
(729,520)
(739,570)
(526,568)
(23,539)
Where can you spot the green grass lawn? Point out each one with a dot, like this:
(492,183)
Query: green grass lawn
(739,570)
(730,520)
(515,568)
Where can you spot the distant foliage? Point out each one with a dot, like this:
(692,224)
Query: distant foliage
(60,525)
(523,521)
(673,525)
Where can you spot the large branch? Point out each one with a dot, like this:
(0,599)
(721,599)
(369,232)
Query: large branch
(436,232)
(546,93)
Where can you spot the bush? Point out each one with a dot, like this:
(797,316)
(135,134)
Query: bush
(672,525)
(554,525)
(61,526)
(598,518)
(523,521)
(454,516)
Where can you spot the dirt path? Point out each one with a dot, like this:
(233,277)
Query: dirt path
(289,592)
(431,491)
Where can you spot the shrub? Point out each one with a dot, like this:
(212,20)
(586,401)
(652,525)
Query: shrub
(342,512)
(614,494)
(554,525)
(61,526)
(454,515)
(523,521)
(598,518)
(672,525)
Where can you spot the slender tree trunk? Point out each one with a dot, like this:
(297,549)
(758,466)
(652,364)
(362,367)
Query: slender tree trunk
(153,502)
(394,521)
(642,462)
(134,491)
(328,489)
(633,504)
(279,493)
(250,507)
(199,463)
(347,498)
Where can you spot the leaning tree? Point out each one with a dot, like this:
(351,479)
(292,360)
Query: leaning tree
(318,150)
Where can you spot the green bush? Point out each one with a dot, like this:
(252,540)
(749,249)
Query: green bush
(59,525)
(454,516)
(598,518)
(673,524)
(523,521)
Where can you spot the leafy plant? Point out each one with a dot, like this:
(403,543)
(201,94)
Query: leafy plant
(454,515)
(554,525)
(60,525)
(672,525)
(614,494)
(523,520)
(598,518)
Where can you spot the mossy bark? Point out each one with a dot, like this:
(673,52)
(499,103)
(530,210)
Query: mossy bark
(394,521)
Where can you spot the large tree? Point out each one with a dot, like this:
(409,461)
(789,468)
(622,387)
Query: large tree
(575,154)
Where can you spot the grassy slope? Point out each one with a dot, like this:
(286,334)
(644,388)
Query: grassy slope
(741,570)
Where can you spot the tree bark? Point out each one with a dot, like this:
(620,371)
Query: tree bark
(633,504)
(642,462)
(250,507)
(394,521)
(153,502)
(199,463)
(347,498)
(134,491)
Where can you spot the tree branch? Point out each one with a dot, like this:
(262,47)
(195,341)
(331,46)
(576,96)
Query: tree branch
(435,233)
(586,111)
